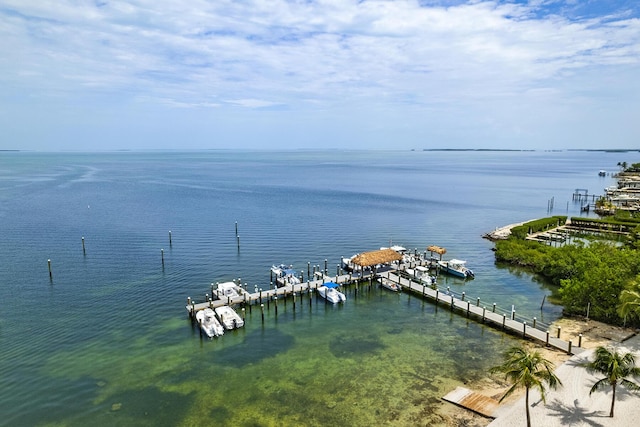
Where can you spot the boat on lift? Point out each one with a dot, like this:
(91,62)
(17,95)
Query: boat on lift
(330,292)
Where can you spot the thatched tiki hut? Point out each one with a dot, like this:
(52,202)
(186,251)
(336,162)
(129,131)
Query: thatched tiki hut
(373,258)
(437,249)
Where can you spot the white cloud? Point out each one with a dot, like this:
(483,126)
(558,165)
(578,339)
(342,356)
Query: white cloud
(377,55)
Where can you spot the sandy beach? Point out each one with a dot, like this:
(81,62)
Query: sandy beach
(570,404)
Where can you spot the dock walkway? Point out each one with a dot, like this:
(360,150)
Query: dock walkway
(463,305)
(489,316)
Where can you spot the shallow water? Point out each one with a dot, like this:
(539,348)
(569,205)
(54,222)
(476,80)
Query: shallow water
(106,340)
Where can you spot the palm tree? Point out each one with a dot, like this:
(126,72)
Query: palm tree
(630,302)
(616,367)
(527,370)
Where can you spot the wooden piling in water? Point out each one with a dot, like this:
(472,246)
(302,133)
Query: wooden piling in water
(84,252)
(49,265)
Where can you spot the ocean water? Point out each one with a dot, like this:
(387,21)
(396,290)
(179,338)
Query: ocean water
(106,339)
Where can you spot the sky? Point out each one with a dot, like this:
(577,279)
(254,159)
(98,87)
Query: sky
(305,74)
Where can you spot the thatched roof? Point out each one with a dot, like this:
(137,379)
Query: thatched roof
(382,256)
(437,249)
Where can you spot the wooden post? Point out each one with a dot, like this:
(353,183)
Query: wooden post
(484,310)
(524,329)
(49,264)
(580,340)
(262,311)
(84,252)
(559,329)
(534,322)
(468,308)
(243,313)
(276,301)
(494,307)
(437,295)
(504,320)
(170,243)
(478,302)
(462,296)
(569,349)
(162,254)
(547,340)
(513,314)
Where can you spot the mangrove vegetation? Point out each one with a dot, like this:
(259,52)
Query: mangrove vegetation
(597,274)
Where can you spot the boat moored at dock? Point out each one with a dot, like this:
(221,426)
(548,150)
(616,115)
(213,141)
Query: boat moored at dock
(229,318)
(228,290)
(421,274)
(208,323)
(285,274)
(330,292)
(389,284)
(456,267)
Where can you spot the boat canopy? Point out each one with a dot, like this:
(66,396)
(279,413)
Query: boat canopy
(457,261)
(331,285)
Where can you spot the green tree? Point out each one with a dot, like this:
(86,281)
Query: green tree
(527,370)
(616,367)
(630,302)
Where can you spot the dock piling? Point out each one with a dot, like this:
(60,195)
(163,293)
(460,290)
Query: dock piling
(170,243)
(49,264)
(84,252)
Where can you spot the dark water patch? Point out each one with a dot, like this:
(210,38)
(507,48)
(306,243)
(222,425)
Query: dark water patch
(218,415)
(146,407)
(257,346)
(425,383)
(348,346)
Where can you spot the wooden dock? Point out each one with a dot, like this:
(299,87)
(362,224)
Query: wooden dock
(281,291)
(486,315)
(476,402)
(460,304)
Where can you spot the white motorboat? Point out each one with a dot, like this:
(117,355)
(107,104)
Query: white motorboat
(330,292)
(457,268)
(421,274)
(229,318)
(286,273)
(208,323)
(347,263)
(228,290)
(389,284)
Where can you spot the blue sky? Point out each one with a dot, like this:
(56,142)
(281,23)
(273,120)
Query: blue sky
(304,74)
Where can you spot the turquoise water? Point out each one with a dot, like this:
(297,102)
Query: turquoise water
(107,340)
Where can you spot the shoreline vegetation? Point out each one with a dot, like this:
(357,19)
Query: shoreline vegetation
(609,325)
